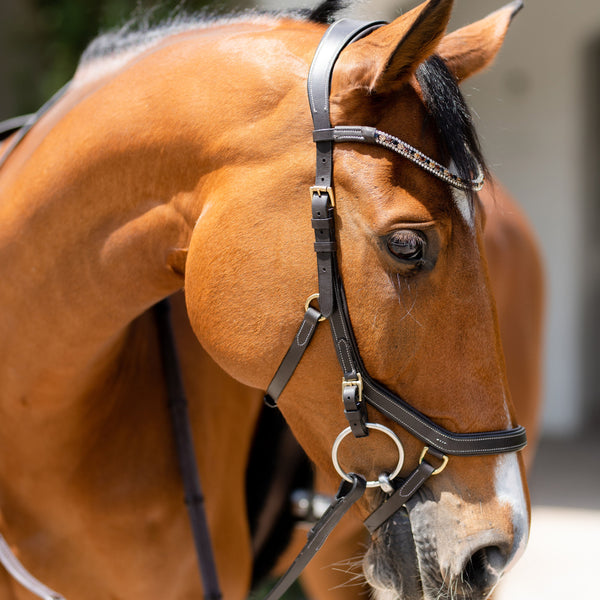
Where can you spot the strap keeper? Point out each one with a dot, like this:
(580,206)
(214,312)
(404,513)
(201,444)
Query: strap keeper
(325,246)
(323,135)
(354,407)
(327,223)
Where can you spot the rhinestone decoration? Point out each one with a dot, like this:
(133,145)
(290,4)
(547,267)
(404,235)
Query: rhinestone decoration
(428,164)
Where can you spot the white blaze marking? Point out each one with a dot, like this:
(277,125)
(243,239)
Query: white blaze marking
(464,206)
(461,199)
(509,490)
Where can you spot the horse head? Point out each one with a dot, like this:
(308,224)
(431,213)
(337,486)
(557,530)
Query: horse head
(411,257)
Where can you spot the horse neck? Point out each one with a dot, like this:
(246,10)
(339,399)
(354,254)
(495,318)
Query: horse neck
(97,202)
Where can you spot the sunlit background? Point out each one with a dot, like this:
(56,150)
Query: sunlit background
(538,113)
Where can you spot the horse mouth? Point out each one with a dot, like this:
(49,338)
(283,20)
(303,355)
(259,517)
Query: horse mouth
(402,565)
(391,565)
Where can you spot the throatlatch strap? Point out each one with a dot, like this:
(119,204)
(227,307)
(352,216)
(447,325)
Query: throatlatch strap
(186,456)
(294,354)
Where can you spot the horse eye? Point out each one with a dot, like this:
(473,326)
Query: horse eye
(407,244)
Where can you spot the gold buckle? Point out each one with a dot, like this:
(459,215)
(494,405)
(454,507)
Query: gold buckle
(358,382)
(309,300)
(321,189)
(441,467)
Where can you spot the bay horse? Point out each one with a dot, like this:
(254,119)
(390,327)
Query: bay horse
(178,159)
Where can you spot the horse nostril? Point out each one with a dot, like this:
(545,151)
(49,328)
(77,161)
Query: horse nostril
(484,569)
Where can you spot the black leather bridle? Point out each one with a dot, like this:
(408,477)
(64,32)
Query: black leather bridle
(359,389)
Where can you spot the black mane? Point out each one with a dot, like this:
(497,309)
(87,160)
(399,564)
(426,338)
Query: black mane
(327,11)
(451,117)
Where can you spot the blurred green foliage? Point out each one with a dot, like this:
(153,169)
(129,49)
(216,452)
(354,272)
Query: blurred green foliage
(41,48)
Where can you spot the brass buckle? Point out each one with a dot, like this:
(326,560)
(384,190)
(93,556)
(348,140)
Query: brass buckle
(441,467)
(309,300)
(358,382)
(322,189)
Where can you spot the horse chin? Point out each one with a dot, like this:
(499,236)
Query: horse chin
(390,564)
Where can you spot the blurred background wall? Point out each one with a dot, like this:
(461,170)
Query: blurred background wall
(537,110)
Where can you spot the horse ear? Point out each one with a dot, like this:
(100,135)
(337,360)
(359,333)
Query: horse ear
(472,48)
(386,58)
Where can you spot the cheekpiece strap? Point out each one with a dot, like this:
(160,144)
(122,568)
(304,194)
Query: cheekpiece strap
(337,37)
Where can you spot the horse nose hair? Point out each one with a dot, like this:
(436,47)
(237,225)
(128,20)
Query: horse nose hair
(482,571)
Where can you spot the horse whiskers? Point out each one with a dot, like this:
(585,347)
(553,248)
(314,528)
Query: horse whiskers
(409,309)
(351,567)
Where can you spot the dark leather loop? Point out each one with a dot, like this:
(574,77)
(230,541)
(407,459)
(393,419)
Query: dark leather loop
(355,411)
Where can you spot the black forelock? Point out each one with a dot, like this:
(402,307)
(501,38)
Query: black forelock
(451,117)
(327,11)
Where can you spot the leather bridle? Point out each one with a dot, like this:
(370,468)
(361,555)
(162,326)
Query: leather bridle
(359,389)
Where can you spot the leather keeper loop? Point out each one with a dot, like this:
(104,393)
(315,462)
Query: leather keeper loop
(323,135)
(327,223)
(325,246)
(355,410)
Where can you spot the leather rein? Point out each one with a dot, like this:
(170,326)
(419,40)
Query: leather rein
(359,389)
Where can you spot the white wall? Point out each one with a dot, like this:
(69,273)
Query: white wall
(530,106)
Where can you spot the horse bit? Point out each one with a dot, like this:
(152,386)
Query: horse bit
(358,388)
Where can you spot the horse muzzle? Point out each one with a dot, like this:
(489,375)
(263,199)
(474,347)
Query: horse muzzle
(432,551)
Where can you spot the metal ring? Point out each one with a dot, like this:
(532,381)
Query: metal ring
(307,304)
(378,427)
(441,467)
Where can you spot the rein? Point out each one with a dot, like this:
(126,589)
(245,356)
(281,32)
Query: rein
(358,388)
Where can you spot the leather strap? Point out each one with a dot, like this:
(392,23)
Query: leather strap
(26,122)
(337,37)
(397,409)
(186,455)
(293,356)
(347,495)
(400,497)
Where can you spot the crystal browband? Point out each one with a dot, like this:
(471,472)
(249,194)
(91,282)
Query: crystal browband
(370,135)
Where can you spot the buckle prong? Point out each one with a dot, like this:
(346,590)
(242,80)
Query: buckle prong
(323,189)
(358,382)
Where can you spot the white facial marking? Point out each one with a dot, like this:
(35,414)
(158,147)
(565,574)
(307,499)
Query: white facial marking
(464,206)
(509,490)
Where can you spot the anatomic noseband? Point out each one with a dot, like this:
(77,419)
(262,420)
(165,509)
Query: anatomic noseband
(359,389)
